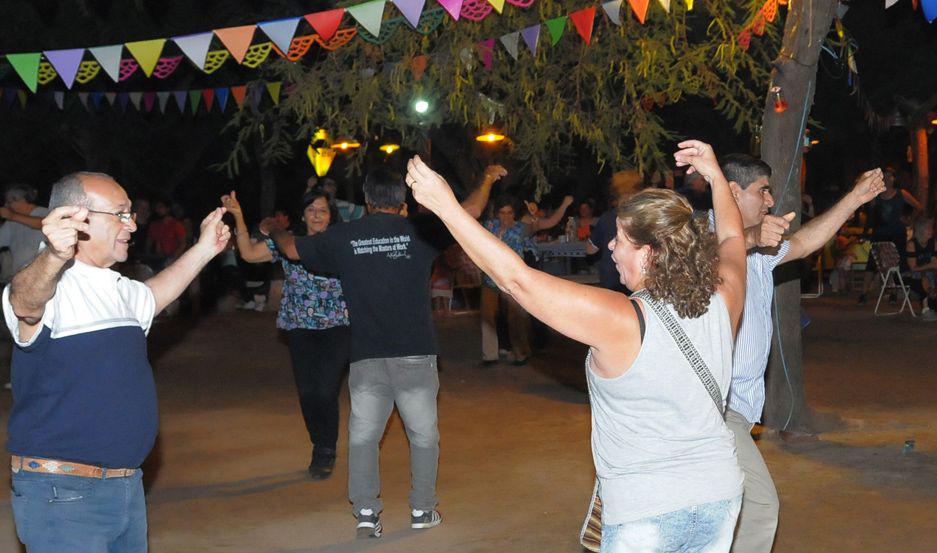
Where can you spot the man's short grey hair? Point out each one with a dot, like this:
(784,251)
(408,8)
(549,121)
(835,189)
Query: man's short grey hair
(20,192)
(68,190)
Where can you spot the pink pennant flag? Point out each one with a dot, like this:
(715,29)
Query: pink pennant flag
(66,63)
(486,49)
(411,9)
(149,100)
(453,7)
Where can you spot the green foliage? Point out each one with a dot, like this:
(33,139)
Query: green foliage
(606,96)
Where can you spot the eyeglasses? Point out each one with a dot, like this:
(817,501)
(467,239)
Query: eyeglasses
(124,216)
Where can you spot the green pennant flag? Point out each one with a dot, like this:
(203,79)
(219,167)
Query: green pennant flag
(556,27)
(27,67)
(194,97)
(274,90)
(368,15)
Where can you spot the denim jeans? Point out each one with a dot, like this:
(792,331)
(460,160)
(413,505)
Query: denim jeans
(55,513)
(375,386)
(705,528)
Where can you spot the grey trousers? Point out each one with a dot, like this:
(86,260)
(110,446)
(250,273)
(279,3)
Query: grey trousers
(375,386)
(758,520)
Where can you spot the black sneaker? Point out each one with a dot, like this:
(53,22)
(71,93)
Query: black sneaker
(369,525)
(323,463)
(424,519)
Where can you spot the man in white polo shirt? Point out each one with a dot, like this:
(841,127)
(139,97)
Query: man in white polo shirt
(84,402)
(767,248)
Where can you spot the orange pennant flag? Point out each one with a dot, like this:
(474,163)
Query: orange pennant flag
(584,20)
(418,66)
(237,40)
(639,7)
(239,93)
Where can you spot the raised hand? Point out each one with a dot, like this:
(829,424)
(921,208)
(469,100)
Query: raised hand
(61,227)
(430,189)
(493,173)
(230,202)
(869,185)
(213,233)
(771,230)
(700,157)
(270,224)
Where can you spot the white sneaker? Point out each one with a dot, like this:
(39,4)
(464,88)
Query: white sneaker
(929,315)
(248,305)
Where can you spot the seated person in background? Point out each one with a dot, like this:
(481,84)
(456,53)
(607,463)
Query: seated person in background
(696,190)
(923,264)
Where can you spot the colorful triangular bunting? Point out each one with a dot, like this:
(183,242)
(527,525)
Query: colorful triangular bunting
(665,4)
(135,98)
(454,7)
(327,22)
(510,43)
(163,98)
(109,58)
(368,15)
(411,10)
(239,93)
(236,39)
(66,63)
(486,48)
(531,36)
(59,98)
(27,67)
(556,27)
(418,66)
(221,94)
(83,98)
(929,7)
(21,94)
(195,47)
(96,98)
(274,90)
(280,32)
(613,11)
(639,7)
(146,52)
(195,96)
(123,99)
(584,20)
(149,99)
(209,96)
(179,96)
(110,97)
(498,5)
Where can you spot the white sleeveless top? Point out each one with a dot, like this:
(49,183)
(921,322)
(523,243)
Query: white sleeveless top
(658,442)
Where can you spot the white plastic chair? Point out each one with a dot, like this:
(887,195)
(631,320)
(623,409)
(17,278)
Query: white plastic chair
(887,261)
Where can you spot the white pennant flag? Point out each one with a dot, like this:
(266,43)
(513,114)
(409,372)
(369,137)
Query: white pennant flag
(195,47)
(890,3)
(510,43)
(613,11)
(59,98)
(109,58)
(83,98)
(665,4)
(135,98)
(163,98)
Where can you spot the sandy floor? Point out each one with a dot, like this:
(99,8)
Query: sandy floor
(515,469)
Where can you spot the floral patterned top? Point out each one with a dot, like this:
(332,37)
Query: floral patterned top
(517,238)
(309,301)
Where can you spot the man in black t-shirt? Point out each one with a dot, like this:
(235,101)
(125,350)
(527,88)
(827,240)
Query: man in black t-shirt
(384,262)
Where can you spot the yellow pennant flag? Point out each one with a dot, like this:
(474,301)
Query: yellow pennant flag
(146,53)
(497,4)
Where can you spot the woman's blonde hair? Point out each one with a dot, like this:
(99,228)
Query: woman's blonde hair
(682,268)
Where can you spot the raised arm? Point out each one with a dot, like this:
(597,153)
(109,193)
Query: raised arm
(812,236)
(169,283)
(729,232)
(252,252)
(554,219)
(572,309)
(35,285)
(477,200)
(21,218)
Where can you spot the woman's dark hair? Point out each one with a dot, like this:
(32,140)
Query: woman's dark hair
(313,195)
(509,200)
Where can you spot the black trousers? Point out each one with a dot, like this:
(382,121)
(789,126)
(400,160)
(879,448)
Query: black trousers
(320,359)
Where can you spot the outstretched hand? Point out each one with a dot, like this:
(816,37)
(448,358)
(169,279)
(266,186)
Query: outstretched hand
(869,185)
(213,233)
(231,203)
(700,157)
(430,189)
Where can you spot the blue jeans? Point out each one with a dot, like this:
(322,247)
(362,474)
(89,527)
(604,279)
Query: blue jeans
(375,385)
(55,513)
(705,528)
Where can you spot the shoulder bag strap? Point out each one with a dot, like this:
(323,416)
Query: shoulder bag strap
(686,346)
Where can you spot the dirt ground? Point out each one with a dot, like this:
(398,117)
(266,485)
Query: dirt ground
(228,473)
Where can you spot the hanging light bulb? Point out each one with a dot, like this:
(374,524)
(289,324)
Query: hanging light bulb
(490,135)
(344,144)
(780,104)
(389,148)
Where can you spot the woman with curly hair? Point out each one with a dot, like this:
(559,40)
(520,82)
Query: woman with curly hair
(668,475)
(315,318)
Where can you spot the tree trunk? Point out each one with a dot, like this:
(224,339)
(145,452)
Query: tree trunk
(795,71)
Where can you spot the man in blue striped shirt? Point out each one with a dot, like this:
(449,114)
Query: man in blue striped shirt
(768,248)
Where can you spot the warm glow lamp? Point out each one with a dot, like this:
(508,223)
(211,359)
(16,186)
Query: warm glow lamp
(490,136)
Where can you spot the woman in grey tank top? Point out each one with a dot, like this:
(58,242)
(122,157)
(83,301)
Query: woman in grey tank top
(665,460)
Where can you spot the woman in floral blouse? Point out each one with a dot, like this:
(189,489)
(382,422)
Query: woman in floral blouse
(315,318)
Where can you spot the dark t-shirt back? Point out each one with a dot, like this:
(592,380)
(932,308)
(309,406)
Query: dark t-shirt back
(602,233)
(384,263)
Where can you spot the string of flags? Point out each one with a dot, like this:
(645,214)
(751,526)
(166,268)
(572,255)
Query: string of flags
(147,57)
(188,101)
(928,7)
